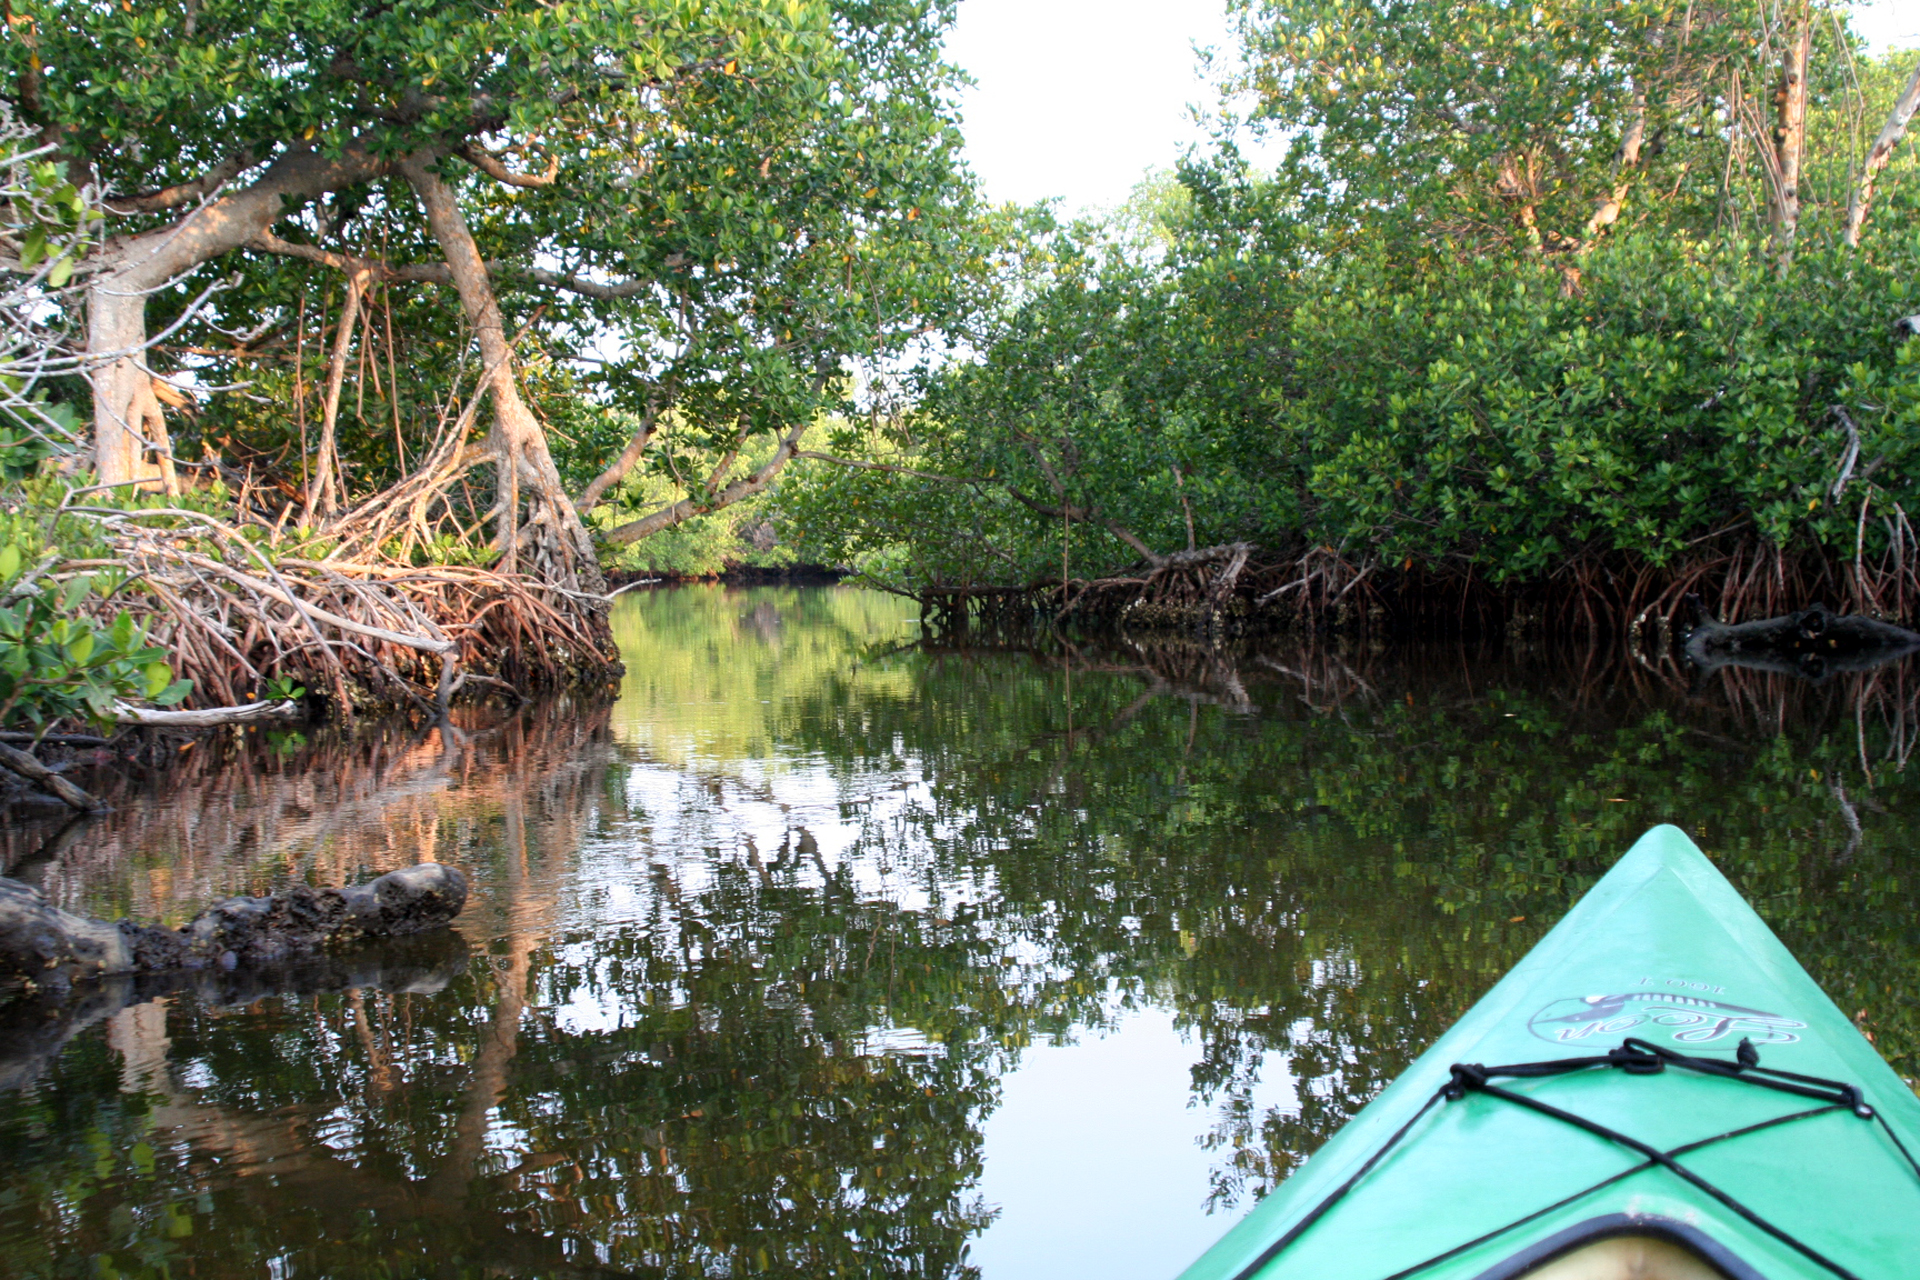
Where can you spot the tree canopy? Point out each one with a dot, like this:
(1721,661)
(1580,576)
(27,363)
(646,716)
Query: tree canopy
(724,203)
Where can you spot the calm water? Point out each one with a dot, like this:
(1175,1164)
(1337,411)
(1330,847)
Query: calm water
(825,952)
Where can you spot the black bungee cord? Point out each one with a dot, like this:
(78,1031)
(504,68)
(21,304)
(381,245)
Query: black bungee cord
(1635,1057)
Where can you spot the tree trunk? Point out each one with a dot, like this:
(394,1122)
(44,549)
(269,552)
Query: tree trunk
(1790,133)
(1890,135)
(130,442)
(321,497)
(552,542)
(130,437)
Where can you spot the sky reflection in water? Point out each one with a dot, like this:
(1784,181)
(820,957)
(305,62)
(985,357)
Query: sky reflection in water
(823,951)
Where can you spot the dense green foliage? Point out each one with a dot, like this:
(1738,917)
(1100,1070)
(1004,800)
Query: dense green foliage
(1464,328)
(55,662)
(47,225)
(1682,390)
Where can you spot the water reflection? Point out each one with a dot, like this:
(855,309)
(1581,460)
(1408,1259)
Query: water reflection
(773,955)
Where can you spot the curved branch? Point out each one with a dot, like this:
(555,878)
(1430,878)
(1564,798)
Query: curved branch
(352,264)
(186,192)
(617,470)
(687,508)
(1068,511)
(491,165)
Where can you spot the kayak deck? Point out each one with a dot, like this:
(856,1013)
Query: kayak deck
(1442,1181)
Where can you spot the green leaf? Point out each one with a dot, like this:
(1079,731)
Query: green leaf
(159,678)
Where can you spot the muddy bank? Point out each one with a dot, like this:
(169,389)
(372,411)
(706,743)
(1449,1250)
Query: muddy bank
(1243,590)
(1812,643)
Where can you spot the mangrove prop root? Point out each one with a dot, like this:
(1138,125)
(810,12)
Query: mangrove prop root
(44,948)
(366,632)
(1239,589)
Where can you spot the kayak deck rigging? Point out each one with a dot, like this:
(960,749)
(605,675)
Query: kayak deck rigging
(1634,1057)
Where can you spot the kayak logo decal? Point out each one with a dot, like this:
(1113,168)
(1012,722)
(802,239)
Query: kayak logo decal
(1685,1019)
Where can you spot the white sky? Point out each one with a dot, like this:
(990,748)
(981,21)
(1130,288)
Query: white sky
(1078,98)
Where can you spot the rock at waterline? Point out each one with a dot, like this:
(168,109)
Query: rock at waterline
(46,947)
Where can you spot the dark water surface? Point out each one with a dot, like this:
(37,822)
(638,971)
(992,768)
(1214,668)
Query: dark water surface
(825,952)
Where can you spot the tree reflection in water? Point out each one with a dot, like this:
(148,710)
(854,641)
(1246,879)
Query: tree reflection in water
(753,947)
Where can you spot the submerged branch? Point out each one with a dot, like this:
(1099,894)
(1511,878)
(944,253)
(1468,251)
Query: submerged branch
(22,763)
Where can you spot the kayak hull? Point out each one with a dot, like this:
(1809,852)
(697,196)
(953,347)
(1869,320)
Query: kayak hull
(1663,949)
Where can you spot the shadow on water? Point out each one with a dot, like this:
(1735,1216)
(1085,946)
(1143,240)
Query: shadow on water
(754,948)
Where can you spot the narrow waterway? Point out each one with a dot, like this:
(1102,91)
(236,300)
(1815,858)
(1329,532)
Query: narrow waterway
(825,950)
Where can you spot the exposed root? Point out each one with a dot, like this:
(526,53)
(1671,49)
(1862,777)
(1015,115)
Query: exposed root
(360,633)
(1237,589)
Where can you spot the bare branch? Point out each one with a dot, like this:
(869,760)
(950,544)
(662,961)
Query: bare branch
(1882,151)
(617,471)
(578,284)
(186,192)
(491,165)
(246,713)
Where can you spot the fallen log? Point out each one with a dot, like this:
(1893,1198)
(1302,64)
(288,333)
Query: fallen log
(43,948)
(27,766)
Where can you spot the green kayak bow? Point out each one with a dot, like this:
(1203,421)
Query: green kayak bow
(1657,1090)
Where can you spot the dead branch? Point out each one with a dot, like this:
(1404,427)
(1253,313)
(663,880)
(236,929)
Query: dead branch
(249,713)
(32,770)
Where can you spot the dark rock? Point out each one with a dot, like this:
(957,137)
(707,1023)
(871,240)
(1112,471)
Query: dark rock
(47,948)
